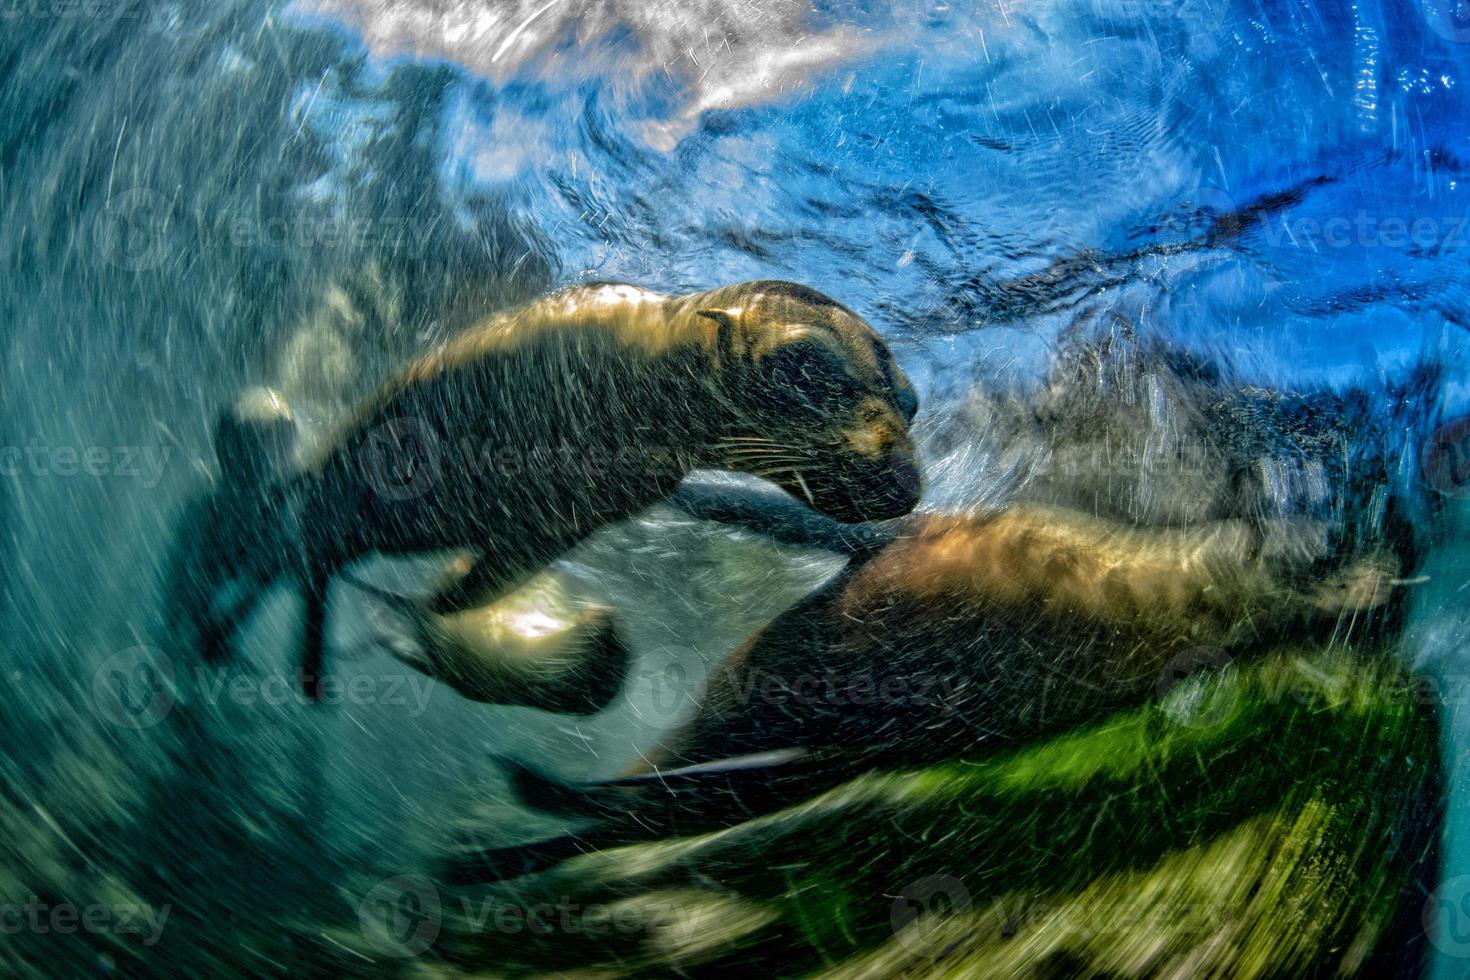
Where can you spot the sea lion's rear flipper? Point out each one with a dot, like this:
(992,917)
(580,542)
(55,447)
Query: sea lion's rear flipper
(627,809)
(617,795)
(549,794)
(755,762)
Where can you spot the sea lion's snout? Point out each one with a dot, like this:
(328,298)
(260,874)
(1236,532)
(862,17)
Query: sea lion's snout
(896,490)
(889,487)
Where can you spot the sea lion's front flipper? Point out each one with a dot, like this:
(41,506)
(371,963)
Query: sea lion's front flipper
(778,516)
(526,651)
(531,648)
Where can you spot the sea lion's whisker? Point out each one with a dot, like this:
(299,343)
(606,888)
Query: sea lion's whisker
(752,456)
(754,446)
(761,449)
(770,472)
(804,489)
(749,459)
(764,451)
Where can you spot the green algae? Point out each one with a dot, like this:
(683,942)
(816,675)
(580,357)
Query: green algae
(1280,829)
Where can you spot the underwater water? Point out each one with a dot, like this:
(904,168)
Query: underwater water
(198,199)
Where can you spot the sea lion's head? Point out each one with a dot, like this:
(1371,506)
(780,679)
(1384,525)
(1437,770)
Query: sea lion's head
(818,403)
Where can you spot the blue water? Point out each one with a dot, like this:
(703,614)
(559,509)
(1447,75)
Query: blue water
(304,194)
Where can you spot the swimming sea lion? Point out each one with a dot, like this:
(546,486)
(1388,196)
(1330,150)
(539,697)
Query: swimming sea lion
(982,629)
(523,435)
(963,635)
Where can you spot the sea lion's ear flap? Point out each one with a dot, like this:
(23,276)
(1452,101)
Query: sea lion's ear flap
(725,338)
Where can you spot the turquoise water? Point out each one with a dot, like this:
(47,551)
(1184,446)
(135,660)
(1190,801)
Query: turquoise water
(303,195)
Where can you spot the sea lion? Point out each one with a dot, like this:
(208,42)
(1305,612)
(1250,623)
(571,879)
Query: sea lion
(526,433)
(984,629)
(959,636)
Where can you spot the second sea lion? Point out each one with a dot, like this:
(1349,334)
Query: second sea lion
(523,435)
(960,636)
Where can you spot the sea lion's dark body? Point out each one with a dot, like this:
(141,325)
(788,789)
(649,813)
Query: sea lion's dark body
(968,633)
(525,434)
(517,474)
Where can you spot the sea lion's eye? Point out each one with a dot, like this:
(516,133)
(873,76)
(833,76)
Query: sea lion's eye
(809,373)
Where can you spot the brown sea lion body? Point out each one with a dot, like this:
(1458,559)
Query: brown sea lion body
(526,433)
(960,636)
(968,632)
